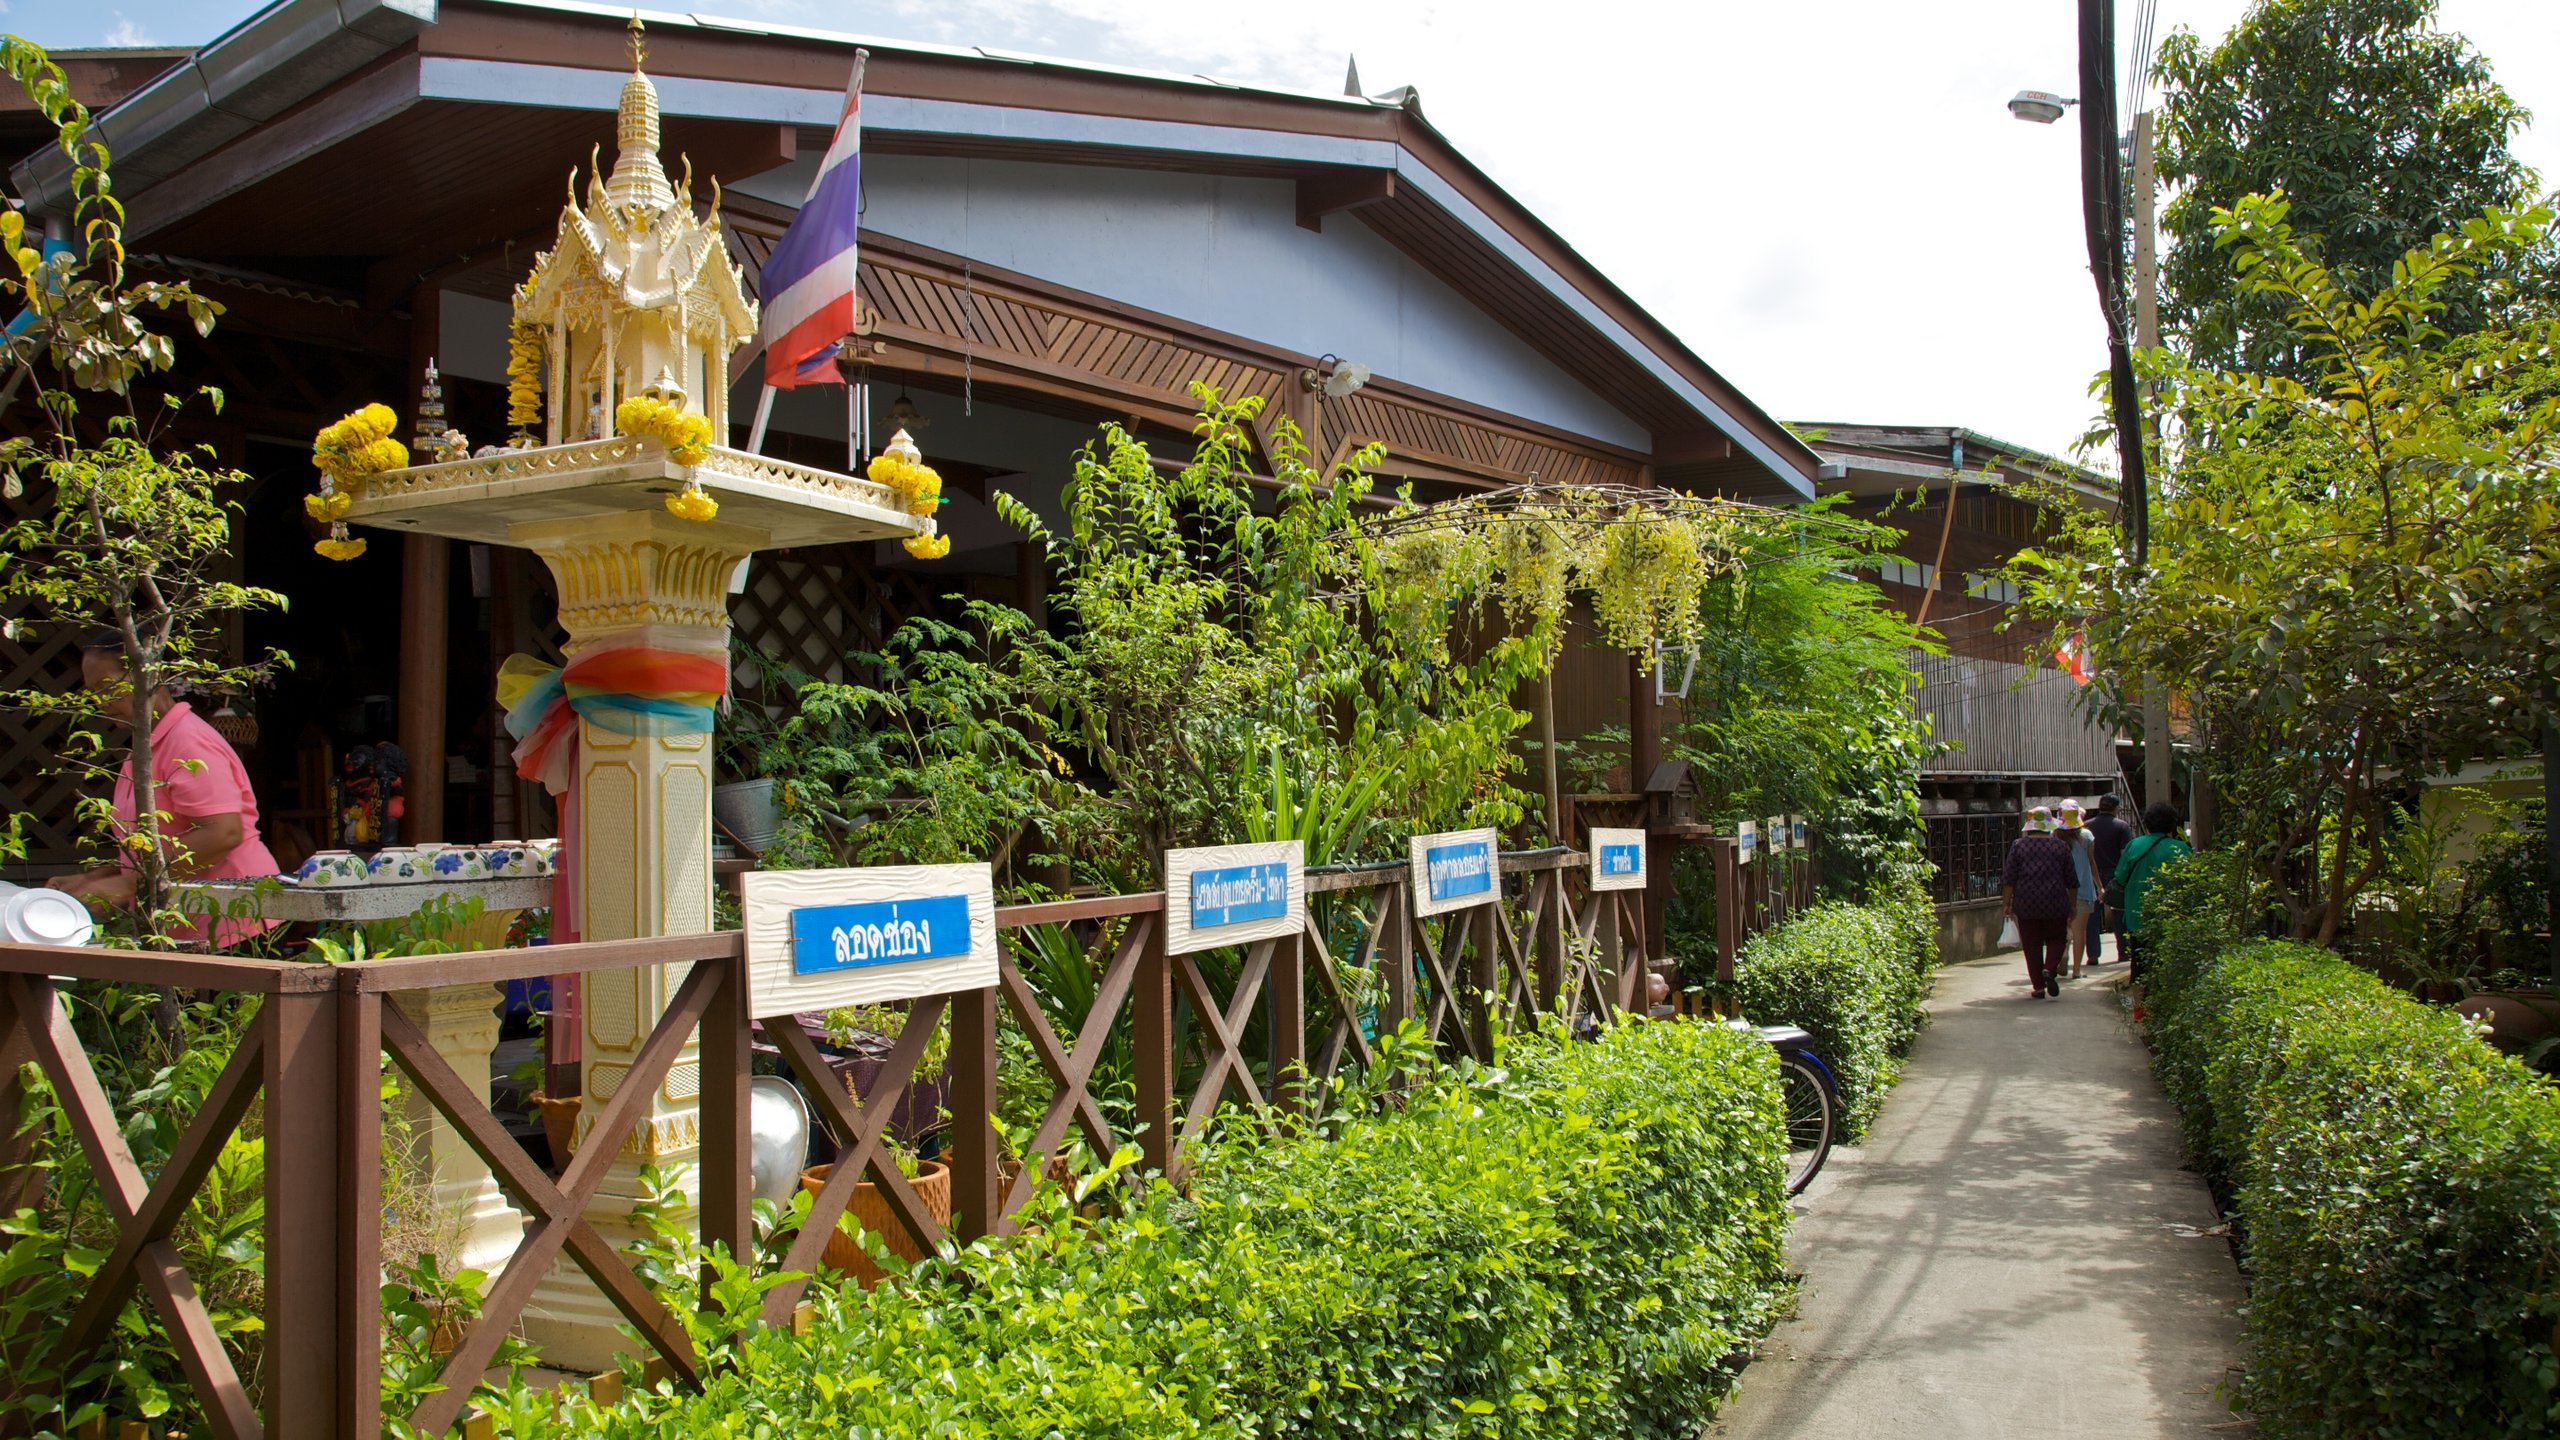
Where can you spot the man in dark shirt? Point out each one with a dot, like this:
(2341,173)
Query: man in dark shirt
(2036,888)
(2111,834)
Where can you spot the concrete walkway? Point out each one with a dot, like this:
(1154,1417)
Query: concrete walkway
(2016,1250)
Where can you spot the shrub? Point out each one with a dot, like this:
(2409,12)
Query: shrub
(2397,1183)
(1853,977)
(1574,1244)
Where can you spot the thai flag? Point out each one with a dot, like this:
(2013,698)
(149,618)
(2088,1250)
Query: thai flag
(2073,656)
(809,279)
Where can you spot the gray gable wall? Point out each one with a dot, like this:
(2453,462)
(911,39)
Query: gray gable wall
(1225,253)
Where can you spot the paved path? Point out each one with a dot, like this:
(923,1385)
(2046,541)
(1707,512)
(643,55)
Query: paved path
(2014,1251)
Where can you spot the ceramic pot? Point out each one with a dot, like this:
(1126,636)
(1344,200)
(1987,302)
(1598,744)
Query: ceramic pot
(455,863)
(331,867)
(560,1125)
(394,865)
(870,1209)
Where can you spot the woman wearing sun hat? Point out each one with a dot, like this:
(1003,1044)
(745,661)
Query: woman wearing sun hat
(2084,882)
(2035,890)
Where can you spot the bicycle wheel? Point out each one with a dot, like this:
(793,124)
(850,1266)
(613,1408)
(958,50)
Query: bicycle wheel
(1806,1094)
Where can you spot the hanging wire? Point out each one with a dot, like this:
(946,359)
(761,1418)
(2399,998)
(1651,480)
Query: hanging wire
(2145,28)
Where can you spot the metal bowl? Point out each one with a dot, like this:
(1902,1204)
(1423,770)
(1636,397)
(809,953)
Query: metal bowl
(777,1138)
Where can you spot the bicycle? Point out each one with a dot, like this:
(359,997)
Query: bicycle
(1809,1095)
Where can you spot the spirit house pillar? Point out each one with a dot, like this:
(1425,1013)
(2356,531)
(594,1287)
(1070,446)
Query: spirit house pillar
(642,825)
(620,350)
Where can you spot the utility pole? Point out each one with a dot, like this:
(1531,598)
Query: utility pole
(2156,772)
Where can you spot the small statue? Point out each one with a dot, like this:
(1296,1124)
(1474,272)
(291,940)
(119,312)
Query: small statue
(453,445)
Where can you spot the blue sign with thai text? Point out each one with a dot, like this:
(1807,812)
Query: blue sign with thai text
(1464,868)
(878,932)
(1622,859)
(1234,896)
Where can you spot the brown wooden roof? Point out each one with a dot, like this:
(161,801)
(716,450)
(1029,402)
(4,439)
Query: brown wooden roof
(373,184)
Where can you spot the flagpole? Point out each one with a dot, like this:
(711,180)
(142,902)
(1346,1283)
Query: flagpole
(764,413)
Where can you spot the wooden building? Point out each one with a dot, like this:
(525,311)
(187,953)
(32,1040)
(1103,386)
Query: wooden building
(2015,733)
(1046,246)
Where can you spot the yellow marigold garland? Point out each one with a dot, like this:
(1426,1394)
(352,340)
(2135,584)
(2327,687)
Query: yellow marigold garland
(918,486)
(524,376)
(355,447)
(686,435)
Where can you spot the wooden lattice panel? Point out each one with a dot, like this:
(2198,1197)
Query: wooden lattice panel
(814,607)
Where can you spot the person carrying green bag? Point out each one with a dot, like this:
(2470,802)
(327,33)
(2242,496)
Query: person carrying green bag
(2135,869)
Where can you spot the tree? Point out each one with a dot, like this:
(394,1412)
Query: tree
(133,541)
(2351,575)
(1802,702)
(2381,131)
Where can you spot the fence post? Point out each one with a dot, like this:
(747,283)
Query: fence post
(359,1059)
(723,1120)
(1728,911)
(1612,958)
(314,1316)
(1151,1040)
(19,1183)
(1284,990)
(1395,953)
(973,1104)
(1484,972)
(1550,939)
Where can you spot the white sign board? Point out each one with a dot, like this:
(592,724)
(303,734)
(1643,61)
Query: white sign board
(817,939)
(1230,894)
(1800,829)
(1773,833)
(1746,838)
(1617,859)
(1456,869)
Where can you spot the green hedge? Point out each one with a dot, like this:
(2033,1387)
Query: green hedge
(2396,1180)
(1575,1244)
(1853,976)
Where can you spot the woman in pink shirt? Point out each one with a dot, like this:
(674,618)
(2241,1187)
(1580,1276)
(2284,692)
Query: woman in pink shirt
(211,829)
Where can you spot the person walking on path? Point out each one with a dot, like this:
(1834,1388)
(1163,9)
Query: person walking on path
(2109,834)
(2084,888)
(2140,865)
(2035,891)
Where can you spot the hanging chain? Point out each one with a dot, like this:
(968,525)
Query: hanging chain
(968,337)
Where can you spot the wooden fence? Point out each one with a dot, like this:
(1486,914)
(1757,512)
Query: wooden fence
(315,1051)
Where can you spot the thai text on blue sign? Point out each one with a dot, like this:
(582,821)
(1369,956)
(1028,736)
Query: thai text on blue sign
(1622,859)
(878,932)
(1463,868)
(1238,894)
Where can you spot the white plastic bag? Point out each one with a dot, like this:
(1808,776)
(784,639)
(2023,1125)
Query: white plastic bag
(2009,932)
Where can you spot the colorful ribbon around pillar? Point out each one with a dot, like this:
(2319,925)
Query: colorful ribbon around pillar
(625,686)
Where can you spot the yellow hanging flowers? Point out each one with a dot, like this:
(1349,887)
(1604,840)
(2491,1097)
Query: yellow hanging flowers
(918,486)
(686,435)
(524,377)
(359,445)
(900,466)
(692,503)
(347,452)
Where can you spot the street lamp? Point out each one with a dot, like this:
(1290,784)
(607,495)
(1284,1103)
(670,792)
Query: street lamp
(2102,201)
(2039,107)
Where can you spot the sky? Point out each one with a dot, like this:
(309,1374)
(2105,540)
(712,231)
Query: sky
(1826,199)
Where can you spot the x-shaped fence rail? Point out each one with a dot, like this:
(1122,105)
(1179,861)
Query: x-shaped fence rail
(313,1055)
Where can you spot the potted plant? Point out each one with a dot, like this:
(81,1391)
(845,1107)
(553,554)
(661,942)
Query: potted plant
(857,1040)
(869,1208)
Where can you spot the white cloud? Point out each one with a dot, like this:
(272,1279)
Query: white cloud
(125,32)
(1828,201)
